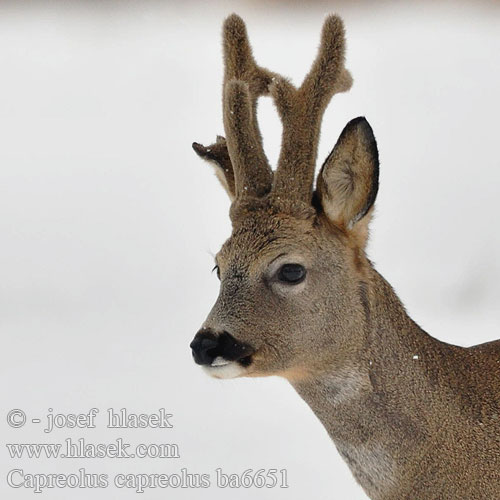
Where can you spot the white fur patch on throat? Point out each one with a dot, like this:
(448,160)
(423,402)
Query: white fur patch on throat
(345,385)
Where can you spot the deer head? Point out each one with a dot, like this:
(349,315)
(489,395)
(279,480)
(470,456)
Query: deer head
(293,273)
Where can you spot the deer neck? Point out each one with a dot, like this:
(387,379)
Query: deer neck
(372,405)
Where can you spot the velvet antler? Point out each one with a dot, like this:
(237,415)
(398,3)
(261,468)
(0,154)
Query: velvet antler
(301,111)
(243,167)
(247,173)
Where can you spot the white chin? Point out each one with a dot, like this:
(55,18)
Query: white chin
(221,368)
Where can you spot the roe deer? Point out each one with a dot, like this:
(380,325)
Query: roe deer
(413,417)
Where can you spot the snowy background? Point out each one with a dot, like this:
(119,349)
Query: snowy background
(108,220)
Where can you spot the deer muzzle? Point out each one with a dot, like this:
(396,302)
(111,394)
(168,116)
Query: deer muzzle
(221,354)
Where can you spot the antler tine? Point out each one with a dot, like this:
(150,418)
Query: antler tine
(301,111)
(328,75)
(244,82)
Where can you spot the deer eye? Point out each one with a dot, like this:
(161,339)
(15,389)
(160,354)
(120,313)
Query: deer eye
(217,270)
(292,273)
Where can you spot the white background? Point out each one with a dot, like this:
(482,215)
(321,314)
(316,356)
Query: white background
(108,220)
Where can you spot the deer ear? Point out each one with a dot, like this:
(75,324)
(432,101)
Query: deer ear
(348,181)
(218,155)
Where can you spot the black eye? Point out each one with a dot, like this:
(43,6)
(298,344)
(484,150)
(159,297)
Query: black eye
(292,273)
(216,268)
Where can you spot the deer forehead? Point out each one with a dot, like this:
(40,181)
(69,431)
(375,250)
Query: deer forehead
(259,238)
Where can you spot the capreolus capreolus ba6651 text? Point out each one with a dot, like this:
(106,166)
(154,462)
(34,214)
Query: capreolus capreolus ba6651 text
(414,418)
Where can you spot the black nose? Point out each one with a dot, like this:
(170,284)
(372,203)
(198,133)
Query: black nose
(204,347)
(207,346)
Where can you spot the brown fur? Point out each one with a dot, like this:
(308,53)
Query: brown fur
(414,418)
